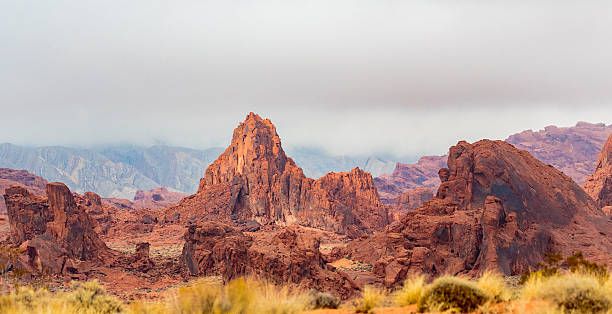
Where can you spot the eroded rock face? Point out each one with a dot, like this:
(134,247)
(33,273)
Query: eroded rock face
(497,208)
(287,255)
(253,180)
(599,184)
(52,228)
(411,199)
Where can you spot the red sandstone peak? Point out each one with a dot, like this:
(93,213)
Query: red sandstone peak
(599,184)
(256,147)
(254,180)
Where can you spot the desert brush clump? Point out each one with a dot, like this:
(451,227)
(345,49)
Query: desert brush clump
(555,263)
(322,300)
(454,294)
(89,298)
(238,296)
(411,291)
(371,298)
(570,292)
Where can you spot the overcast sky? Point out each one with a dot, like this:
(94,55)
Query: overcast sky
(401,77)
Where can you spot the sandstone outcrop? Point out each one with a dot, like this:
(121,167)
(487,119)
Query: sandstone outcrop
(287,255)
(497,208)
(411,199)
(599,184)
(422,174)
(9,177)
(254,181)
(52,228)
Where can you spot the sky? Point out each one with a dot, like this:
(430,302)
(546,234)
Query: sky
(351,77)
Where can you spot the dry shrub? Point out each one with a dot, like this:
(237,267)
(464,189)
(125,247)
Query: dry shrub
(371,298)
(493,284)
(411,291)
(322,300)
(570,293)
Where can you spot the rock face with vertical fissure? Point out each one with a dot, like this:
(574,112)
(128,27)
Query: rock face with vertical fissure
(599,184)
(254,181)
(497,208)
(53,228)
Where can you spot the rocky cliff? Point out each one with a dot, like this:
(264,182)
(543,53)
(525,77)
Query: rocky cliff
(9,177)
(599,184)
(497,208)
(53,228)
(254,180)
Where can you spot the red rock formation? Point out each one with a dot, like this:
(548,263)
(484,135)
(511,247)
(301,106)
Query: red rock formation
(9,177)
(423,174)
(411,199)
(599,184)
(497,208)
(53,228)
(253,180)
(572,150)
(288,255)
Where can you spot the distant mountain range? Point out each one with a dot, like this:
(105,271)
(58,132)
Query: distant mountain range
(119,171)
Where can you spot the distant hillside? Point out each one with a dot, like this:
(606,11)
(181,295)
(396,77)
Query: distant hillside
(119,171)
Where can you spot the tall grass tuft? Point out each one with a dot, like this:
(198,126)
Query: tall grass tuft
(371,298)
(495,286)
(570,293)
(411,291)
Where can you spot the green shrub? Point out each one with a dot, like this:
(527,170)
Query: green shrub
(571,293)
(452,293)
(322,300)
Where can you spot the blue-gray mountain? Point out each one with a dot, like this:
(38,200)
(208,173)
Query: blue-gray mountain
(119,171)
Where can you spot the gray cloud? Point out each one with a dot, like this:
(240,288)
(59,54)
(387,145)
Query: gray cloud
(404,77)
